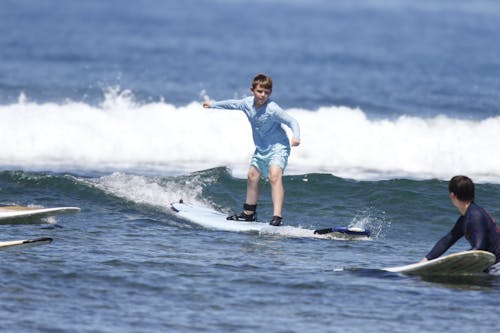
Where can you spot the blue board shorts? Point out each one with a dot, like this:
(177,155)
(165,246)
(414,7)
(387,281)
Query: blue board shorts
(274,155)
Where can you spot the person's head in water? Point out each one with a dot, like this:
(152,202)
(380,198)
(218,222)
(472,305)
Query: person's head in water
(462,188)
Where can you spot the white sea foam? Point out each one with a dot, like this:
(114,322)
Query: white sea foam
(121,134)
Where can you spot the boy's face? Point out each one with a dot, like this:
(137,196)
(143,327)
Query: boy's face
(261,95)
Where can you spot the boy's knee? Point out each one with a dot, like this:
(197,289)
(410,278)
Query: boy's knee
(253,175)
(274,174)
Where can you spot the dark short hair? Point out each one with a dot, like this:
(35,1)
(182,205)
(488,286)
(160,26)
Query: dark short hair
(462,187)
(263,80)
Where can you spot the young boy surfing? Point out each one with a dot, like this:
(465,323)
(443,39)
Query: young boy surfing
(272,146)
(475,223)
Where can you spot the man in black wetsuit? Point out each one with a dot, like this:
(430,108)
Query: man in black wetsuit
(475,223)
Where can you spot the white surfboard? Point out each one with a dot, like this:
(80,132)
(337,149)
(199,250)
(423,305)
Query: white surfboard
(25,242)
(461,263)
(19,212)
(209,218)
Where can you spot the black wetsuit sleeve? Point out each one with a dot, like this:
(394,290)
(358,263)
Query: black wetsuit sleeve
(448,240)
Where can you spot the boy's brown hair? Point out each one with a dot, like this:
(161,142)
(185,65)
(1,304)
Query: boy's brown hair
(262,80)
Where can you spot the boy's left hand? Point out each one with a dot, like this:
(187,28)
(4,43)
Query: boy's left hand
(295,142)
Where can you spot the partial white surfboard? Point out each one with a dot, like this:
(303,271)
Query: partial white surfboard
(25,242)
(212,219)
(19,212)
(460,263)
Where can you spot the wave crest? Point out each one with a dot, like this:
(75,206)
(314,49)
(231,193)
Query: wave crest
(121,134)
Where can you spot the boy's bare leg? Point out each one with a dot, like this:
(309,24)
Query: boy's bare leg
(252,187)
(277,190)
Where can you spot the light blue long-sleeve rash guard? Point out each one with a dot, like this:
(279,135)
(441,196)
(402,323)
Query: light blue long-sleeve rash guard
(265,121)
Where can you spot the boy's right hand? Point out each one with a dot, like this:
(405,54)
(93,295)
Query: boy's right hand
(206,104)
(295,142)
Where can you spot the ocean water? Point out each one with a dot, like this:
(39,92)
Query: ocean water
(100,109)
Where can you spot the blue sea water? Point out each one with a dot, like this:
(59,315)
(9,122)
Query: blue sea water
(100,109)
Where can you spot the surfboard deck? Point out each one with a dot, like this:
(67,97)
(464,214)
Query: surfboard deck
(460,263)
(212,219)
(19,212)
(25,242)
